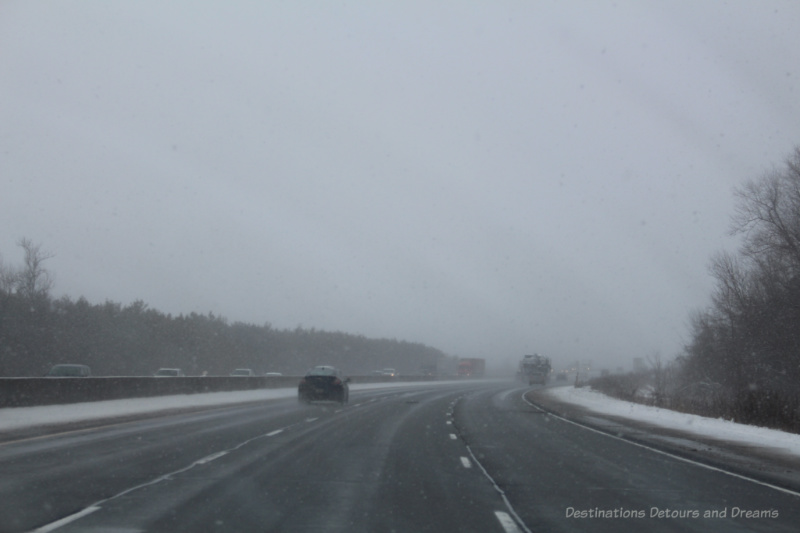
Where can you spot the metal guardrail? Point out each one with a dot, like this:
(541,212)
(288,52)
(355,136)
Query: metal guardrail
(27,392)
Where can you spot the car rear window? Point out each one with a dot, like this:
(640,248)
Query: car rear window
(322,371)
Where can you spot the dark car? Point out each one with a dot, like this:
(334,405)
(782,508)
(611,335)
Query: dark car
(324,383)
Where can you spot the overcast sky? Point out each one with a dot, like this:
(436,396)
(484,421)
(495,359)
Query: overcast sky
(489,178)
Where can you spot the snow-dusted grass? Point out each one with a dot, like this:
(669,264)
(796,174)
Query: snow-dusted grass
(21,417)
(699,425)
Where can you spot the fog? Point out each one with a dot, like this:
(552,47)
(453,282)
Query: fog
(490,179)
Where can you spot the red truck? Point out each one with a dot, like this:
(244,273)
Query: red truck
(471,368)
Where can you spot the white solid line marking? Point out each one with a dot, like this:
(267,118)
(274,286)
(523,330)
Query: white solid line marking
(273,433)
(66,520)
(311,419)
(507,522)
(211,457)
(465,462)
(453,436)
(662,452)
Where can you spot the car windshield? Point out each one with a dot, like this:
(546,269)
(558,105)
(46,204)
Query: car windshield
(494,266)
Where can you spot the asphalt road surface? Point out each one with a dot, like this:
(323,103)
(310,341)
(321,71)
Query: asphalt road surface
(462,457)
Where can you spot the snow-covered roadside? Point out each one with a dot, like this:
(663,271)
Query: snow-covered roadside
(22,417)
(699,425)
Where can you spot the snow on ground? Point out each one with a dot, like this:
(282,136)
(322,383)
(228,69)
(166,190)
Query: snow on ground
(699,425)
(21,417)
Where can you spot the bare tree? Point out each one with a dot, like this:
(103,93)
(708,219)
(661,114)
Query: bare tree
(34,280)
(732,294)
(8,278)
(662,379)
(768,214)
(750,338)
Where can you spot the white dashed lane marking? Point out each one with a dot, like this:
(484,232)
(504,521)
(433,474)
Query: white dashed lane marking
(507,522)
(211,457)
(66,520)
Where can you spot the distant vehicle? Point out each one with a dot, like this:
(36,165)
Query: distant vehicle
(471,367)
(273,374)
(324,383)
(69,371)
(429,370)
(243,372)
(169,373)
(389,372)
(534,368)
(561,376)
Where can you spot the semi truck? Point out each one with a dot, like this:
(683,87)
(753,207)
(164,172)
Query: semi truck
(471,368)
(535,369)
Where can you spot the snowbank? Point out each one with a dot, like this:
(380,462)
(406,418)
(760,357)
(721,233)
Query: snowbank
(699,425)
(21,417)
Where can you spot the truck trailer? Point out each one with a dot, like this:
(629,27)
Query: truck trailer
(535,369)
(471,368)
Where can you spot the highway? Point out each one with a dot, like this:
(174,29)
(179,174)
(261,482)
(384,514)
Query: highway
(461,457)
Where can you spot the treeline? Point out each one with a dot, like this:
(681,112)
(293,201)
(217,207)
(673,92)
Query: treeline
(744,351)
(743,358)
(749,338)
(37,331)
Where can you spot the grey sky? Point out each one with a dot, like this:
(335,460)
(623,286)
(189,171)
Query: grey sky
(490,178)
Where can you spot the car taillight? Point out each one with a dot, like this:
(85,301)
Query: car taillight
(303,381)
(337,381)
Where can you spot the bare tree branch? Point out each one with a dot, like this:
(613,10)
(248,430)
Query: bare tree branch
(34,280)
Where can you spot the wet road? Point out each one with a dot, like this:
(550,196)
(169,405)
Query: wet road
(458,457)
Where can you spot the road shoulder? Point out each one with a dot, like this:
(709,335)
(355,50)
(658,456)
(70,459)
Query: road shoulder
(765,463)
